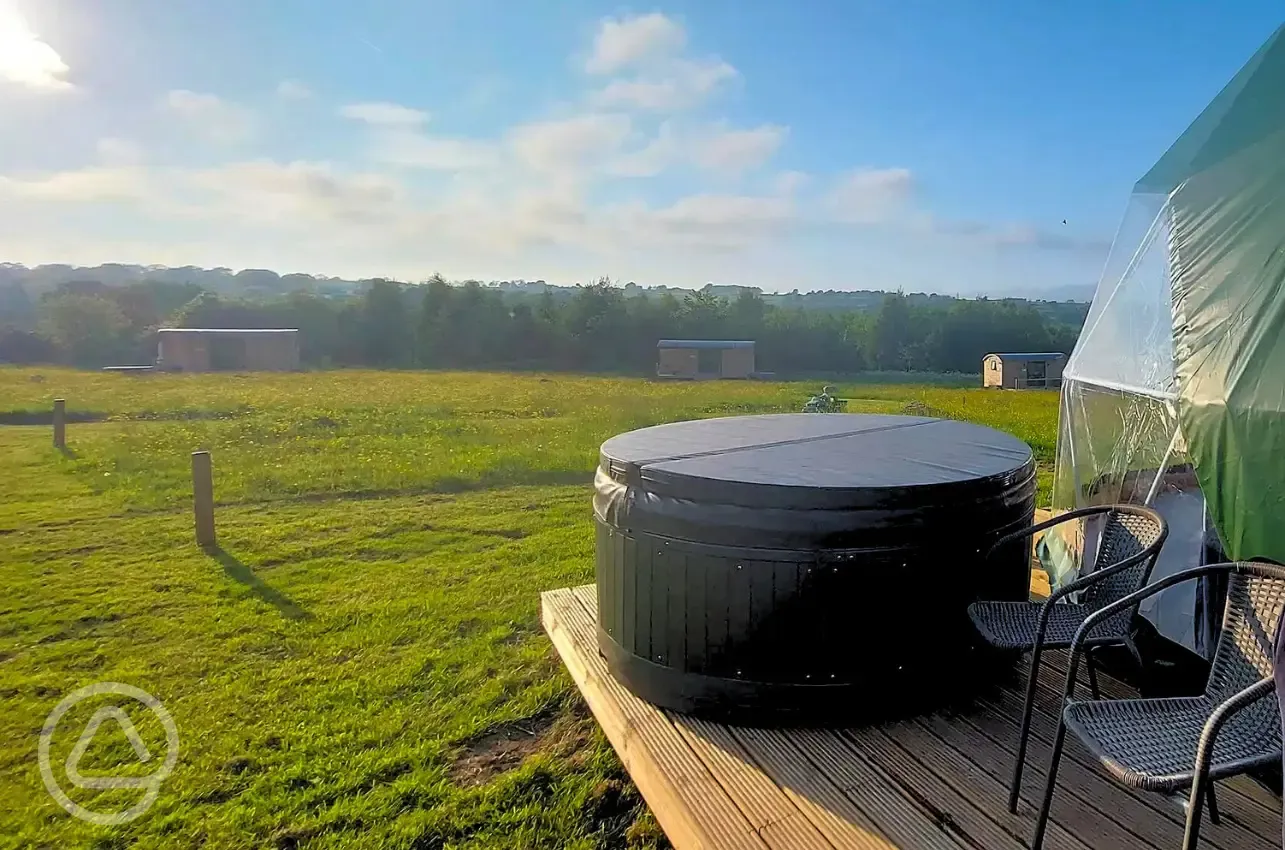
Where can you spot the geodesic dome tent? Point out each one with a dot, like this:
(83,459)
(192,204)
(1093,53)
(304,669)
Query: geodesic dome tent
(1175,392)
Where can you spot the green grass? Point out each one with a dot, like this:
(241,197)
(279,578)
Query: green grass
(349,670)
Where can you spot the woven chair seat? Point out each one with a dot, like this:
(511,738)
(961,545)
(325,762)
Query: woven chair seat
(1151,744)
(1011,625)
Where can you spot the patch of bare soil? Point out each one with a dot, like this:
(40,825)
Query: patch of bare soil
(505,747)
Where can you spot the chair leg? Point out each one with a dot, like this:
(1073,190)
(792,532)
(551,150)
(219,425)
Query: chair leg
(1093,673)
(1015,790)
(1212,800)
(1054,760)
(1191,835)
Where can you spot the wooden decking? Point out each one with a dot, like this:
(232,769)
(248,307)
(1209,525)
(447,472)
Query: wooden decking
(932,782)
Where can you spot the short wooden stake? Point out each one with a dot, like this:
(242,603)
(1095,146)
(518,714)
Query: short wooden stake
(60,424)
(203,498)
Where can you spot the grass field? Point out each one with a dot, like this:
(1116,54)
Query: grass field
(360,664)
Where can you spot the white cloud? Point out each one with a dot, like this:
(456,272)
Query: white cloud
(210,115)
(115,151)
(397,139)
(296,192)
(790,182)
(324,218)
(650,48)
(294,90)
(1010,235)
(284,195)
(438,153)
(719,211)
(81,185)
(652,158)
(871,195)
(709,222)
(384,114)
(529,199)
(574,144)
(677,84)
(27,60)
(715,147)
(624,42)
(737,151)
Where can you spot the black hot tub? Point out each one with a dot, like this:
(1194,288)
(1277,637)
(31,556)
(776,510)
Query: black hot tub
(790,566)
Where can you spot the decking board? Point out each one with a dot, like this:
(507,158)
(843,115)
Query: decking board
(1239,787)
(946,774)
(666,772)
(1245,803)
(936,782)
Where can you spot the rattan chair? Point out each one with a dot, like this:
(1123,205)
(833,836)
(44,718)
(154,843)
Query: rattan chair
(1131,538)
(1188,742)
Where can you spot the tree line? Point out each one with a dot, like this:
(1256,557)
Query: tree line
(598,327)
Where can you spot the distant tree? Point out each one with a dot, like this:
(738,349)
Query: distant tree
(80,286)
(23,347)
(387,336)
(475,325)
(317,320)
(527,341)
(595,322)
(296,281)
(16,307)
(90,329)
(431,334)
(156,300)
(548,310)
(748,309)
(704,314)
(108,313)
(208,310)
(891,334)
(350,325)
(258,281)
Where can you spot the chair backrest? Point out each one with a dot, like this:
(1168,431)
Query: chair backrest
(1247,642)
(1127,531)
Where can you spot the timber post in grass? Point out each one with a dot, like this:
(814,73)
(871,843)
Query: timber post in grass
(60,424)
(203,499)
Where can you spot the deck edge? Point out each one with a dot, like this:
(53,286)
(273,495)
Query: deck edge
(660,794)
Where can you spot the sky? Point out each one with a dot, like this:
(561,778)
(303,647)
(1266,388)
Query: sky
(957,146)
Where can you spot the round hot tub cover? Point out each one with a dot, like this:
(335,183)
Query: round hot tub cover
(797,564)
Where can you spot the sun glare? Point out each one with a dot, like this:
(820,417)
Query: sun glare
(24,58)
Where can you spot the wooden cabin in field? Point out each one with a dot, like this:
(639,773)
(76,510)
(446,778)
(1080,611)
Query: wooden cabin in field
(1023,371)
(704,358)
(227,349)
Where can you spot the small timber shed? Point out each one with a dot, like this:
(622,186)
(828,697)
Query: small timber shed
(227,349)
(704,358)
(1025,371)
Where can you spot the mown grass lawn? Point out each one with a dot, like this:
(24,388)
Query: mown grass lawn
(360,665)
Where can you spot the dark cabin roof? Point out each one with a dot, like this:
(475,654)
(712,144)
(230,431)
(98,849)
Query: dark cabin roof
(705,343)
(1027,355)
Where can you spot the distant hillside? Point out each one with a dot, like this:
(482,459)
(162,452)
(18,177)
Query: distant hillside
(222,281)
(20,285)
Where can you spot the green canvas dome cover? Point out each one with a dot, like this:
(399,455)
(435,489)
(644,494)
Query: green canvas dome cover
(1175,393)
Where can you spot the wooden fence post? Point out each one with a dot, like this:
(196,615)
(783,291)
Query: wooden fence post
(203,498)
(60,424)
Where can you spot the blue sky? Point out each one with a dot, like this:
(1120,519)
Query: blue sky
(852,145)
